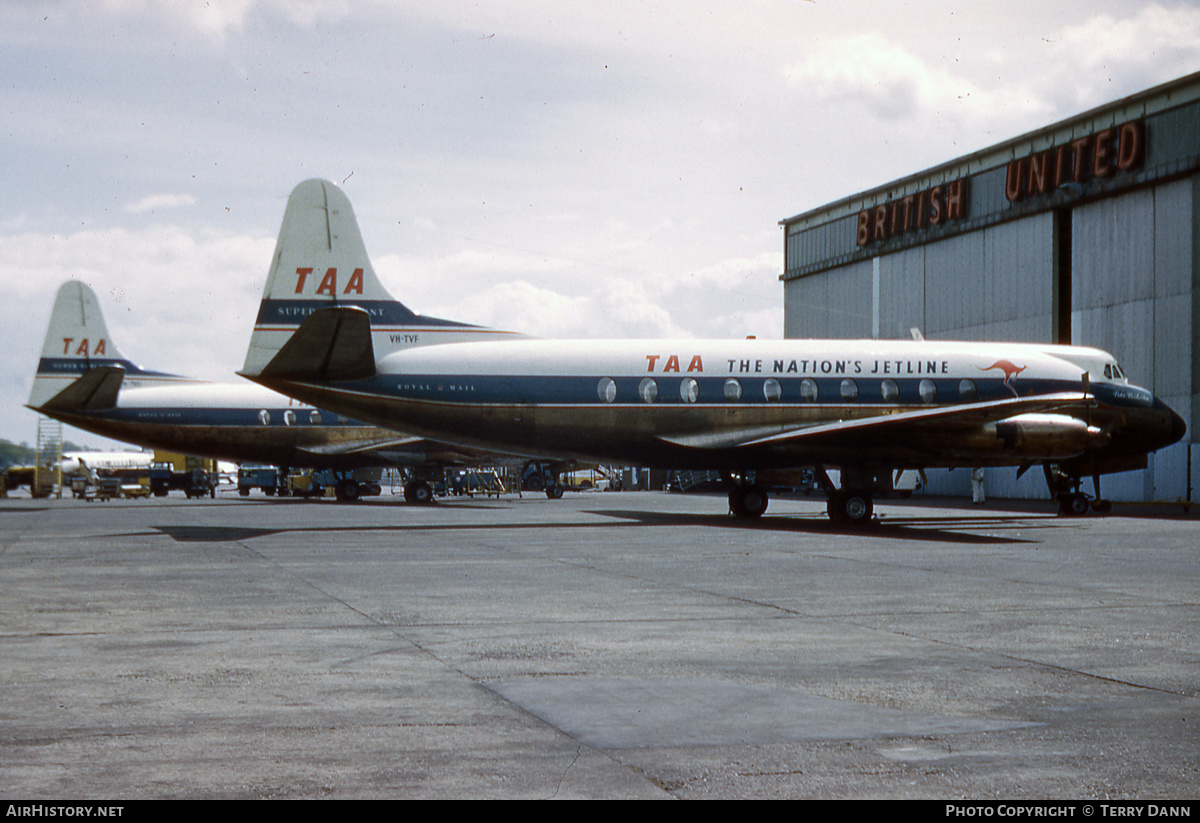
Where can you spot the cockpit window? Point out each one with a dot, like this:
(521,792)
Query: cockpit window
(1113,372)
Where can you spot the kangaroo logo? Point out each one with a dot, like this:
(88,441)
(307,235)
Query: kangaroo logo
(1010,373)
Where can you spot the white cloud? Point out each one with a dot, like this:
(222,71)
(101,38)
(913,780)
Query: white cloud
(1153,44)
(1004,78)
(218,19)
(156,202)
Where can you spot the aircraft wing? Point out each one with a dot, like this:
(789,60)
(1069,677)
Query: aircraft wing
(362,446)
(887,426)
(405,449)
(96,390)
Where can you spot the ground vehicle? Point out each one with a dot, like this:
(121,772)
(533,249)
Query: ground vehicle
(195,476)
(257,477)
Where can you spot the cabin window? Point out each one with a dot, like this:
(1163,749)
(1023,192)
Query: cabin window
(849,389)
(808,390)
(689,390)
(607,389)
(889,390)
(733,390)
(314,417)
(648,390)
(928,391)
(264,417)
(772,390)
(289,418)
(967,391)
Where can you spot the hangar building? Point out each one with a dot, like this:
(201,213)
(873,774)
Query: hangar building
(1084,232)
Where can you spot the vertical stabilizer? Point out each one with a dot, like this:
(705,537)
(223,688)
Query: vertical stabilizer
(77,345)
(321,261)
(77,340)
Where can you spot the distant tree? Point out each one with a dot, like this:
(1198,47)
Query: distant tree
(12,454)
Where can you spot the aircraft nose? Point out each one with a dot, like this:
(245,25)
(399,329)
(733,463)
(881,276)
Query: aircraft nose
(1171,428)
(1178,426)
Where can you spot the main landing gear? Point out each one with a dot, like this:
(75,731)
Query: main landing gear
(747,500)
(850,507)
(422,482)
(419,492)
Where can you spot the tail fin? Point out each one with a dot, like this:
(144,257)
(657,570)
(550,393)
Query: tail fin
(77,341)
(320,261)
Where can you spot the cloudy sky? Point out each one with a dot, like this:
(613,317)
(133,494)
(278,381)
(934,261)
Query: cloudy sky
(611,169)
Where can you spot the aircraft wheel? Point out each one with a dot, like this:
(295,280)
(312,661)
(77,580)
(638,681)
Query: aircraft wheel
(748,501)
(418,492)
(347,490)
(1073,505)
(851,508)
(554,492)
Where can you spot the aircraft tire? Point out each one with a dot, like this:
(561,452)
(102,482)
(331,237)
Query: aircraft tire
(418,492)
(851,508)
(1073,505)
(748,501)
(554,492)
(347,490)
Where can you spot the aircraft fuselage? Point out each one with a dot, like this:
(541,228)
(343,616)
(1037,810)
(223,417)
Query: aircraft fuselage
(759,404)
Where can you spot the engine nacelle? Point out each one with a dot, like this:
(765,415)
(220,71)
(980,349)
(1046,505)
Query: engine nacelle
(1031,437)
(1046,436)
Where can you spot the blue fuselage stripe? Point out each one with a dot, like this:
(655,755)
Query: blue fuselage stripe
(586,390)
(382,313)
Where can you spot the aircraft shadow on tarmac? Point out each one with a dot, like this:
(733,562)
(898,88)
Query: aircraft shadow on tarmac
(952,529)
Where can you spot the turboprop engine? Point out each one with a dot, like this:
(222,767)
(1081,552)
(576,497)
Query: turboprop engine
(1042,436)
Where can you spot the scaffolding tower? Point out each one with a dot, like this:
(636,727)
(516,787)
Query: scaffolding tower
(47,471)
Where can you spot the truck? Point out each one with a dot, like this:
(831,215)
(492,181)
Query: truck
(346,485)
(194,476)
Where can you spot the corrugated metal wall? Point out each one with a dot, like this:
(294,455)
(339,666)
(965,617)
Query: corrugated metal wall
(833,303)
(1133,294)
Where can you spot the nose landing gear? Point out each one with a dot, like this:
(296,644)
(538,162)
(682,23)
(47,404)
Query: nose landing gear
(1072,502)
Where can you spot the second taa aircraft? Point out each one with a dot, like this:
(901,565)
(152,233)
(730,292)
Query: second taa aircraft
(84,380)
(753,409)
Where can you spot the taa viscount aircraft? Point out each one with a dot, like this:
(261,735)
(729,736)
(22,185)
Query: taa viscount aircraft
(754,409)
(84,380)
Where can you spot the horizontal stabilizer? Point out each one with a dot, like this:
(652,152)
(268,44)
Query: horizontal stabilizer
(97,390)
(332,344)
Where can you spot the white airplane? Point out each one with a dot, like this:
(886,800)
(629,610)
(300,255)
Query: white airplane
(89,462)
(84,380)
(751,408)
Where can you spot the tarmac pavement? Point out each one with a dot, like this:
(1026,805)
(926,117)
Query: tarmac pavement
(606,645)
